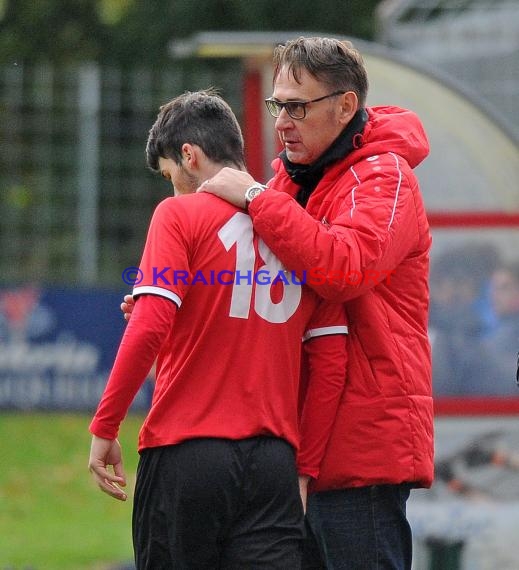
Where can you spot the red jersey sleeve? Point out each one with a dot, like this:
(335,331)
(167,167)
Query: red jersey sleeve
(151,320)
(324,371)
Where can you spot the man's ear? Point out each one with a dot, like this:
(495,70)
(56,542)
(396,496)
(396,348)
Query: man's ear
(189,155)
(349,106)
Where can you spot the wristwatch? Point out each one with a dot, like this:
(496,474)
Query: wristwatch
(252,191)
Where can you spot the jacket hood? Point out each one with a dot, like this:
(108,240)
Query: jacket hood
(393,129)
(389,129)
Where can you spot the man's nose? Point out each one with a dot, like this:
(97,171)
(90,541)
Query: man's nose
(283,120)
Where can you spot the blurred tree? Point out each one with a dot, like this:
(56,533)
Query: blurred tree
(142,34)
(52,30)
(130,32)
(350,17)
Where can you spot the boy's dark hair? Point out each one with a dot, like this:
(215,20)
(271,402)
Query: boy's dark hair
(200,118)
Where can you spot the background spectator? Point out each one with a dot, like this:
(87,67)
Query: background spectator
(460,317)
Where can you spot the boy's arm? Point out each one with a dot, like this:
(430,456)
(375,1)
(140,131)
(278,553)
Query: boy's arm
(152,319)
(324,362)
(326,358)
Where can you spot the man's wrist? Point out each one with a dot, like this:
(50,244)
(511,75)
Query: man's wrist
(253,192)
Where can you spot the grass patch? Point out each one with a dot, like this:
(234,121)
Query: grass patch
(52,515)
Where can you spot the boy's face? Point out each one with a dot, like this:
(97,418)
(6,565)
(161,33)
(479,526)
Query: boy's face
(183,181)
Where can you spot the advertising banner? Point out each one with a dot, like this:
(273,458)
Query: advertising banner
(57,347)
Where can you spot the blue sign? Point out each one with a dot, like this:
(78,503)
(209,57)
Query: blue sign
(57,347)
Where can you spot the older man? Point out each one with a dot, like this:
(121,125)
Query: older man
(345,201)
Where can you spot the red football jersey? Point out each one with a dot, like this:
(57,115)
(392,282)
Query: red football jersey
(230,365)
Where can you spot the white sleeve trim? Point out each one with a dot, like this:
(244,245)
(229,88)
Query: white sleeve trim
(397,189)
(152,290)
(324,331)
(353,205)
(397,192)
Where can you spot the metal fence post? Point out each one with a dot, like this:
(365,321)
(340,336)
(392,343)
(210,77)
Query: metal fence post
(88,172)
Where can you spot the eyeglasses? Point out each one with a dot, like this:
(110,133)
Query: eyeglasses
(295,109)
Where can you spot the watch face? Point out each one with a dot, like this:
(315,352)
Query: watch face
(252,192)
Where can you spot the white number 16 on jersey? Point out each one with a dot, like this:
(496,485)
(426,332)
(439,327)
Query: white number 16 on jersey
(238,230)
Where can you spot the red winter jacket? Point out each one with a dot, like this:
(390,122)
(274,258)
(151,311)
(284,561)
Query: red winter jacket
(364,239)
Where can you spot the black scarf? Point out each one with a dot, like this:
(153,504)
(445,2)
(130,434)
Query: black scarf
(307,176)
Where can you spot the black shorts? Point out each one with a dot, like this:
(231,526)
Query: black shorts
(218,504)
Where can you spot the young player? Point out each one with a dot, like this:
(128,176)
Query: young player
(217,484)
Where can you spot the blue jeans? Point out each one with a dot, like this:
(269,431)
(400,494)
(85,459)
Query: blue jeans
(361,528)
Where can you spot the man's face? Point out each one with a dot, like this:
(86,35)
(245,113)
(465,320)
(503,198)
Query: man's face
(183,182)
(306,139)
